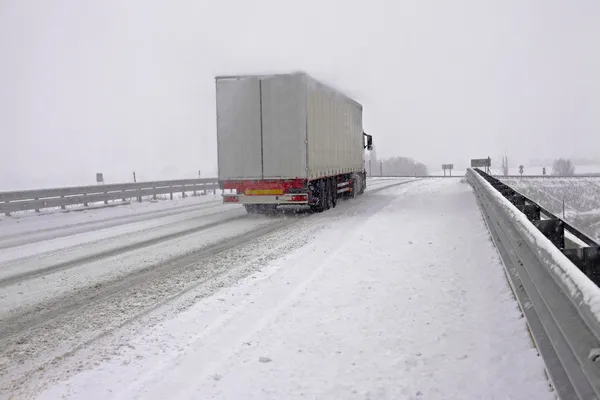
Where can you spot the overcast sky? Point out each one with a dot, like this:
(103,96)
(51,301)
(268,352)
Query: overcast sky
(115,86)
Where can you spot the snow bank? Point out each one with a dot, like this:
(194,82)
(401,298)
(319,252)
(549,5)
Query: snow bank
(580,288)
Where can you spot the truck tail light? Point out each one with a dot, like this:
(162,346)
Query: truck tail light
(300,197)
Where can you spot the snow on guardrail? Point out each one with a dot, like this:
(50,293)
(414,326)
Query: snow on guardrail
(581,289)
(560,302)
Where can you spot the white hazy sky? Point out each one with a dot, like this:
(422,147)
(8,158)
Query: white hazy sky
(115,86)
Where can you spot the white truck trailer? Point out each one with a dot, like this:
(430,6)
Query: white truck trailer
(288,139)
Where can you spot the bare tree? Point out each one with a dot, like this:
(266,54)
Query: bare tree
(563,167)
(504,166)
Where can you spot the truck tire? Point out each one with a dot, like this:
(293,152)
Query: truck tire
(327,194)
(334,196)
(250,208)
(321,193)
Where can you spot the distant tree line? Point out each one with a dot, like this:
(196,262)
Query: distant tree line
(395,166)
(404,166)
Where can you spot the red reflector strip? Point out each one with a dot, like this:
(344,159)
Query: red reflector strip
(299,197)
(230,199)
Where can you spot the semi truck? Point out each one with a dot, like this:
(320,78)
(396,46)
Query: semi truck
(288,139)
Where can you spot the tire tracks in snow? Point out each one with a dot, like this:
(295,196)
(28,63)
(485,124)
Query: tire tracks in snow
(379,189)
(95,311)
(21,277)
(99,292)
(44,337)
(151,270)
(20,239)
(220,246)
(289,243)
(253,315)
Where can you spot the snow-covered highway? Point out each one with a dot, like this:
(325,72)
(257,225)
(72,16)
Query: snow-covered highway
(396,294)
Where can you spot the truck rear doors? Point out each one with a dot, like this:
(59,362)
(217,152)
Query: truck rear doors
(239,129)
(261,127)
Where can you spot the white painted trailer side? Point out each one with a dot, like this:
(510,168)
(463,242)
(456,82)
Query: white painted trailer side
(335,132)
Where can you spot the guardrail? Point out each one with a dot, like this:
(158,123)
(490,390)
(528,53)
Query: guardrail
(61,197)
(417,176)
(550,176)
(557,288)
(499,176)
(27,200)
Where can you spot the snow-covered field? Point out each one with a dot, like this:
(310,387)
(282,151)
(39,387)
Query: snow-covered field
(527,170)
(581,198)
(397,294)
(538,170)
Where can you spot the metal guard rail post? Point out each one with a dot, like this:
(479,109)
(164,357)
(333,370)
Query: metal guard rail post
(557,289)
(61,197)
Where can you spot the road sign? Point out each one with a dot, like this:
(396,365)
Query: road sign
(447,167)
(521,169)
(99,177)
(481,162)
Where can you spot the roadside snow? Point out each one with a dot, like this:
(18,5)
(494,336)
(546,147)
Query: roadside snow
(409,303)
(50,220)
(116,235)
(62,281)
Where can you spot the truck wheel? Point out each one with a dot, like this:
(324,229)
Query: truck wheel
(334,196)
(327,194)
(322,196)
(250,208)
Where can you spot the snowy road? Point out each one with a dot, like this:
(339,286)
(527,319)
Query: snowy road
(68,280)
(398,294)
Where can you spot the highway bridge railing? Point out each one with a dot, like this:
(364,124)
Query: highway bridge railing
(38,199)
(461,175)
(416,176)
(556,287)
(550,176)
(84,195)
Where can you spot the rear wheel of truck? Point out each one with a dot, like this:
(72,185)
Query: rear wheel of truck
(334,195)
(327,194)
(321,194)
